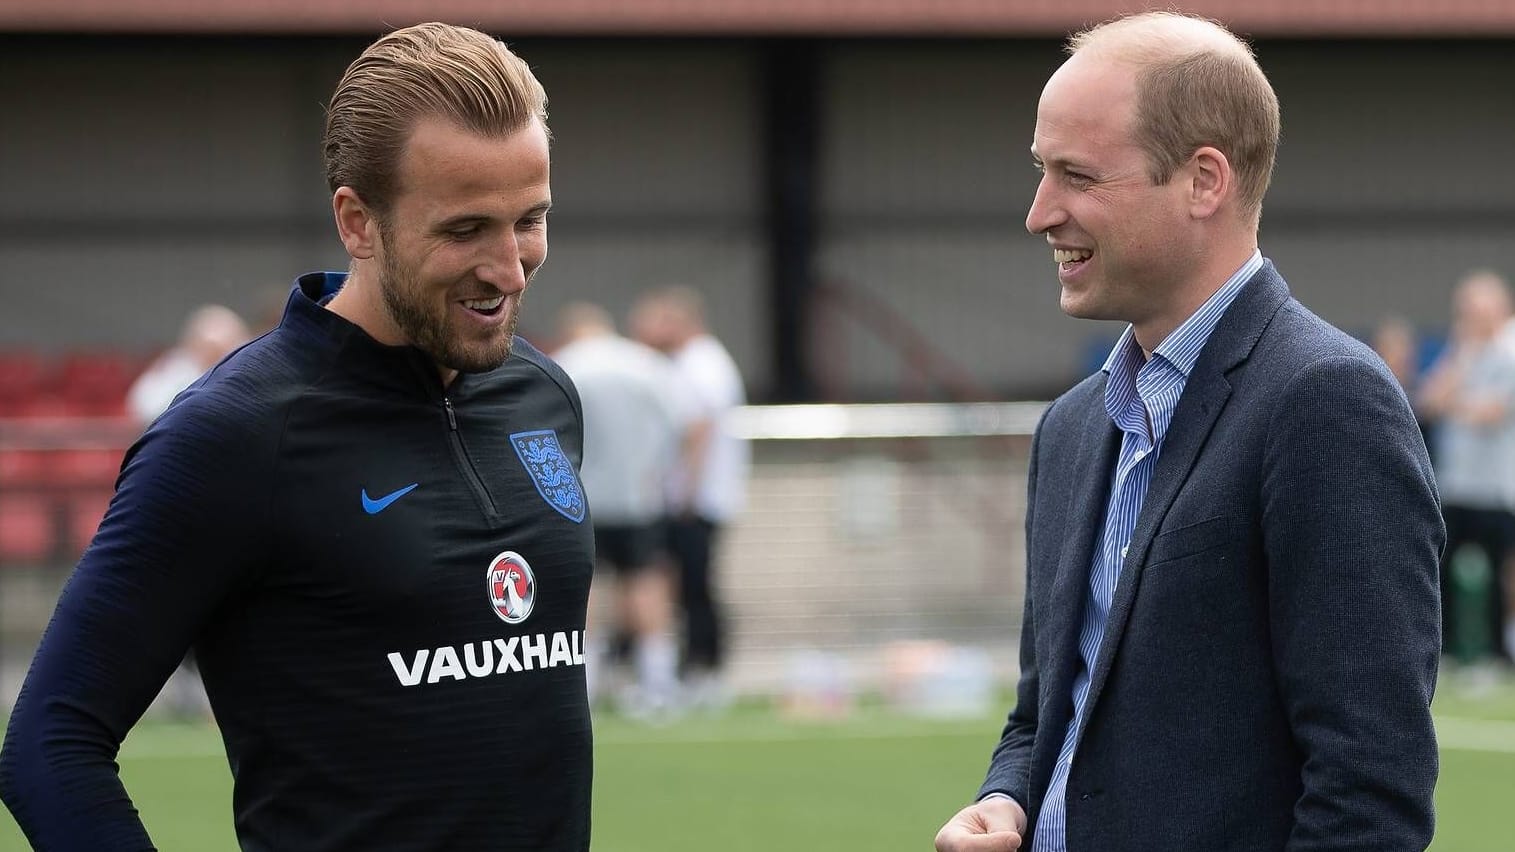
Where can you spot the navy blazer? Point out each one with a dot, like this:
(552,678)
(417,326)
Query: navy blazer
(1266,673)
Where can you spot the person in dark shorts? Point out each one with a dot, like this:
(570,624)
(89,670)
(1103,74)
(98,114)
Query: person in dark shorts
(635,420)
(708,488)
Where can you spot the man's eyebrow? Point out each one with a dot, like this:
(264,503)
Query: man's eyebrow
(1058,162)
(462,219)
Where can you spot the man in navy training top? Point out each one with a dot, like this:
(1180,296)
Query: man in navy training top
(367,523)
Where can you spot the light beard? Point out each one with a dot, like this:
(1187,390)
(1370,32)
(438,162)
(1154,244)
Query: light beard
(433,334)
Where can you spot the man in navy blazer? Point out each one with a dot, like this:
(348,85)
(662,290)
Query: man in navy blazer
(1231,623)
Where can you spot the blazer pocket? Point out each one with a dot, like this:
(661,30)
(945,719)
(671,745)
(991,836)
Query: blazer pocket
(1192,539)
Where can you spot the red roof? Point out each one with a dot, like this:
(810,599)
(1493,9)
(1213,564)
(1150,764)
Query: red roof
(1410,18)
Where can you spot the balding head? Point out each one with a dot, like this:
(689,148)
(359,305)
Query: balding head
(668,317)
(1197,85)
(1481,304)
(212,331)
(580,320)
(1152,37)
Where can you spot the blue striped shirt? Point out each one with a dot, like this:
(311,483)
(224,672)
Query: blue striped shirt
(1140,396)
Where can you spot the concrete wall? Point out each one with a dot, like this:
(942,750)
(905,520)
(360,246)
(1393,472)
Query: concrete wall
(139,178)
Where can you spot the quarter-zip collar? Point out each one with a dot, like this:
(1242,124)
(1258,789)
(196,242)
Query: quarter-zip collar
(404,368)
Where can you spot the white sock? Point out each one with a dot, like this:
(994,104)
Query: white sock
(657,662)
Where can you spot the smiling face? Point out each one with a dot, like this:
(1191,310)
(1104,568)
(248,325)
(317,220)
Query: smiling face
(1123,244)
(464,235)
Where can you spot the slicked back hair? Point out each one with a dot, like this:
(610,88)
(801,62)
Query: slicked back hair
(424,71)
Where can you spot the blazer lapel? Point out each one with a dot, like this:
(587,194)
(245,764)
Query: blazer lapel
(1205,395)
(1089,491)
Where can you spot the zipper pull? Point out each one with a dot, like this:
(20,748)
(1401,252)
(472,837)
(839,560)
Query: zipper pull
(452,419)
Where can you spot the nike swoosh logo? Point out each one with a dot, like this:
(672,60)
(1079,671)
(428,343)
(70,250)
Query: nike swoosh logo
(374,507)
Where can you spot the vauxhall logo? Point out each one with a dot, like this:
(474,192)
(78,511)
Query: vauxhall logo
(490,657)
(511,590)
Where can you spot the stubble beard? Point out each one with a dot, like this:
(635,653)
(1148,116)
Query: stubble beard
(432,333)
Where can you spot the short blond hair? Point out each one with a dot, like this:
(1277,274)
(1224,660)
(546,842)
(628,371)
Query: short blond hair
(1197,84)
(423,71)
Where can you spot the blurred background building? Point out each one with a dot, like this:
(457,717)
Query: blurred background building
(845,180)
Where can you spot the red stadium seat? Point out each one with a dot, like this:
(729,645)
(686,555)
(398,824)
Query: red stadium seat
(24,469)
(28,530)
(22,379)
(21,373)
(95,383)
(93,468)
(42,405)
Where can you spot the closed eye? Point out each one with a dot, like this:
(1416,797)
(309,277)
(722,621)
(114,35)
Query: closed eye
(535,217)
(462,228)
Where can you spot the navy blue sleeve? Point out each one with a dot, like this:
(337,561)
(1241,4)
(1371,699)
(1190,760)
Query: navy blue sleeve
(1353,533)
(181,533)
(1010,764)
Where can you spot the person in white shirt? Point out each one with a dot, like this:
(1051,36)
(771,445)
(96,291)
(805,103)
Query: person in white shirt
(635,419)
(709,487)
(1470,395)
(209,334)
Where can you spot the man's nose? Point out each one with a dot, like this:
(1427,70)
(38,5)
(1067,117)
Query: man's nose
(1045,212)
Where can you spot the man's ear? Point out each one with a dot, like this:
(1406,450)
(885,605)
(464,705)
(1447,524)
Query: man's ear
(1211,181)
(356,223)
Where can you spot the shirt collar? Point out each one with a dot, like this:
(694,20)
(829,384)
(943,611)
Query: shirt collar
(307,316)
(1182,347)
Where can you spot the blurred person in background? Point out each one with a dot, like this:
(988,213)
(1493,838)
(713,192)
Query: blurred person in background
(1230,633)
(709,485)
(367,522)
(1470,393)
(209,334)
(1395,341)
(635,420)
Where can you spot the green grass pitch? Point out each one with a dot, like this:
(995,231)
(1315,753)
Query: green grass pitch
(750,781)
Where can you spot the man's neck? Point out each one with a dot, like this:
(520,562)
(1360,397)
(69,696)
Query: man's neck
(1216,270)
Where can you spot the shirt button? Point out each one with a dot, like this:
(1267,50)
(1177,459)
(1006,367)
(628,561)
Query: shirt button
(1123,551)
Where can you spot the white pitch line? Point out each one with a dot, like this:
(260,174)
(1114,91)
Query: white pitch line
(165,746)
(1452,732)
(670,736)
(1459,734)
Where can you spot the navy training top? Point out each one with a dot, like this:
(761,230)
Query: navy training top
(384,582)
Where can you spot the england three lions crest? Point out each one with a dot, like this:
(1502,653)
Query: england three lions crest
(543,457)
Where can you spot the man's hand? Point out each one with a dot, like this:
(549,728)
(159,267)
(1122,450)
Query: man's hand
(992,825)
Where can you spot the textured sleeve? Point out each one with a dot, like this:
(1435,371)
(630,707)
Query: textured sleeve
(186,521)
(1353,532)
(1010,765)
